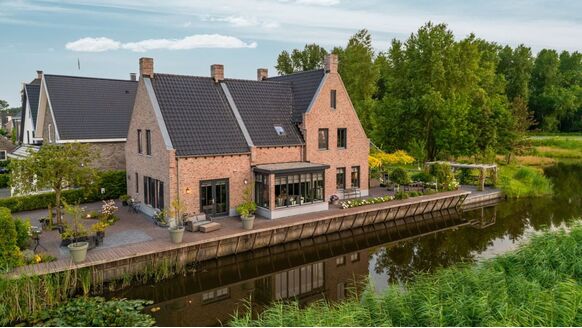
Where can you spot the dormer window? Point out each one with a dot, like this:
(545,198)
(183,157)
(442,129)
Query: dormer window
(280,131)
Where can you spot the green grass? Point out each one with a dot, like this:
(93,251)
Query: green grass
(537,285)
(523,181)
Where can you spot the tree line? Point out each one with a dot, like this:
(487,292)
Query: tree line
(440,98)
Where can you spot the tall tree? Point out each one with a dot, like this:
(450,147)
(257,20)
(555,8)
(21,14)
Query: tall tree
(57,167)
(359,73)
(310,57)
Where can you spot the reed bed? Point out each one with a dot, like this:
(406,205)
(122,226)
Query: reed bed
(23,296)
(537,285)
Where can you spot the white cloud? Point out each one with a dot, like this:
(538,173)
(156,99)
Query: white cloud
(190,42)
(319,2)
(243,21)
(187,24)
(93,45)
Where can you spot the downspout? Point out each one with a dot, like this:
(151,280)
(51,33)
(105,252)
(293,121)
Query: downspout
(177,179)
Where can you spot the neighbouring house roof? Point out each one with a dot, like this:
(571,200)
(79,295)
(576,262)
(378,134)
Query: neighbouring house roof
(23,151)
(197,116)
(33,92)
(304,85)
(6,144)
(290,167)
(263,106)
(90,108)
(208,118)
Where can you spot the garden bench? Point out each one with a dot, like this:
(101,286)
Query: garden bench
(208,227)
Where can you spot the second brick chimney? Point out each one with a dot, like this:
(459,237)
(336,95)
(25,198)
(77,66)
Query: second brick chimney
(132,77)
(330,63)
(217,72)
(146,67)
(39,75)
(262,74)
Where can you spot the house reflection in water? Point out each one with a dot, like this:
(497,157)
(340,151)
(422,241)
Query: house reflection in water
(326,267)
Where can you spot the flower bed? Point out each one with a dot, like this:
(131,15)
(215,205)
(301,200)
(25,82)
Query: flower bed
(367,201)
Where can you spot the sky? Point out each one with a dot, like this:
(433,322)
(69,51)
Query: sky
(186,36)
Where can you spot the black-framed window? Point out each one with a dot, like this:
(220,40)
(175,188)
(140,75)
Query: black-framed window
(323,138)
(153,192)
(340,178)
(139,147)
(342,138)
(262,190)
(136,183)
(298,189)
(332,99)
(148,142)
(355,177)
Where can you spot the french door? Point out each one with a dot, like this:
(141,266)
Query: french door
(214,197)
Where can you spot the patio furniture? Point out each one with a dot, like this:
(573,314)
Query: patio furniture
(134,206)
(194,223)
(36,232)
(352,193)
(208,227)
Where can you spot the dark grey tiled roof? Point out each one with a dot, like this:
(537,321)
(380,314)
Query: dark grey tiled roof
(197,116)
(91,108)
(263,105)
(304,86)
(33,92)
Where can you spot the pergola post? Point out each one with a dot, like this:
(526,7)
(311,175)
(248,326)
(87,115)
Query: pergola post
(481,179)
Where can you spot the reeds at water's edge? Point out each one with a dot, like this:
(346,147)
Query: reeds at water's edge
(540,284)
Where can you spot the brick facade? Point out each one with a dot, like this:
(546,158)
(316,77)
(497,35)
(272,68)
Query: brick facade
(344,115)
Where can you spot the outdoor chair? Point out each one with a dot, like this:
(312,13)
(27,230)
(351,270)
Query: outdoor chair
(134,205)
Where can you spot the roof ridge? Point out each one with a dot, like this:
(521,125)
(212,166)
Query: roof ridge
(90,77)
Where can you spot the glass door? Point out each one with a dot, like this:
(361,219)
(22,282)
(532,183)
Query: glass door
(214,197)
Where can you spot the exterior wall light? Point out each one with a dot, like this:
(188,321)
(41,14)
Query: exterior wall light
(188,190)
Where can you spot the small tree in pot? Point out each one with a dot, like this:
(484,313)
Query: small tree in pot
(176,228)
(247,209)
(78,249)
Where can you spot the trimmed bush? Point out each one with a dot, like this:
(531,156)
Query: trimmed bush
(422,177)
(10,255)
(113,181)
(4,180)
(22,236)
(400,176)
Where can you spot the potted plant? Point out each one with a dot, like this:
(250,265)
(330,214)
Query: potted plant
(108,210)
(176,228)
(78,249)
(99,229)
(247,210)
(334,199)
(124,199)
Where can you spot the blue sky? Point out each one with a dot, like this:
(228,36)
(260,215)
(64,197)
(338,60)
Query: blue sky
(186,37)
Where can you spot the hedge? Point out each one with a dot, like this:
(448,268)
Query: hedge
(113,181)
(4,180)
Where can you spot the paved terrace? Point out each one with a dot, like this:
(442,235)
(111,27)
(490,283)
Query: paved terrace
(135,234)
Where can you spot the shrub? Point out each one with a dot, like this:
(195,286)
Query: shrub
(96,312)
(444,175)
(113,181)
(4,180)
(10,255)
(523,181)
(401,195)
(367,201)
(422,177)
(400,176)
(22,233)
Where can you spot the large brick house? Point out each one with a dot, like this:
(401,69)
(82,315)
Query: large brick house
(93,111)
(295,139)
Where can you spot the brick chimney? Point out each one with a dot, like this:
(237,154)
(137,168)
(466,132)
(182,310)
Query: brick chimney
(262,74)
(146,67)
(330,63)
(132,77)
(39,75)
(217,72)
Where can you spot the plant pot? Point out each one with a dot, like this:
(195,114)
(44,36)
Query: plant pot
(78,251)
(247,222)
(335,202)
(124,203)
(100,236)
(176,234)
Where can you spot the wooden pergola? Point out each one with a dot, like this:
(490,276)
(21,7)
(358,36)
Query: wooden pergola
(484,169)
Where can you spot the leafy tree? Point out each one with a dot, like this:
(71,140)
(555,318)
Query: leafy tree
(517,141)
(311,57)
(57,167)
(10,255)
(3,105)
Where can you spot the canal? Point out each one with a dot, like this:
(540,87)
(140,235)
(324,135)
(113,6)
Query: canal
(332,266)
